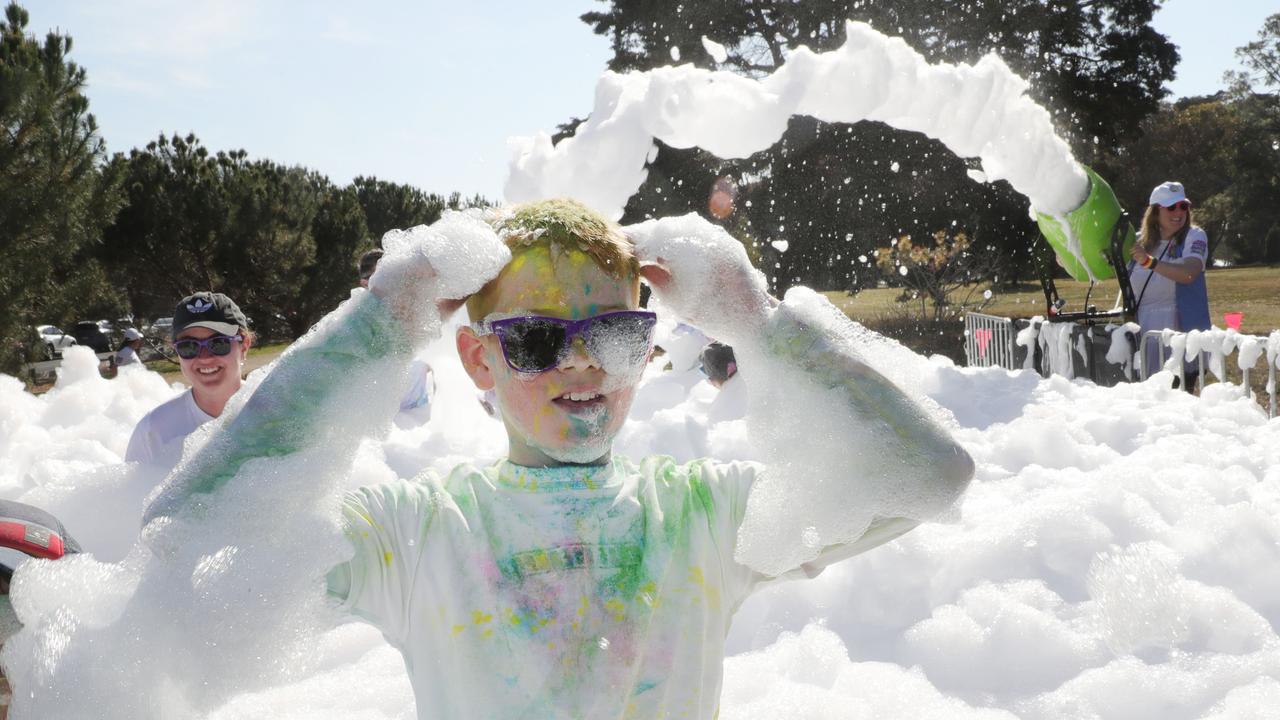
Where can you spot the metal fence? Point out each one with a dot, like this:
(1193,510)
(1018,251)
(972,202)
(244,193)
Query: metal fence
(1075,350)
(1176,342)
(989,341)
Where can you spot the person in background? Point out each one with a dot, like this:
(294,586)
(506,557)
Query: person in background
(422,387)
(128,352)
(211,338)
(717,362)
(1167,272)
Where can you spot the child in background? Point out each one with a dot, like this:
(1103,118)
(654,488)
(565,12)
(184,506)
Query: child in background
(562,582)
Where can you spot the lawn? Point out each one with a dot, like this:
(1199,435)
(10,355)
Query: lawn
(1255,291)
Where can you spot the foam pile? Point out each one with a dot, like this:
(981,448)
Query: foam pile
(979,110)
(1108,561)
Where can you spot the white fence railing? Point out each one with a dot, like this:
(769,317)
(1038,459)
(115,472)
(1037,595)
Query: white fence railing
(989,340)
(1108,354)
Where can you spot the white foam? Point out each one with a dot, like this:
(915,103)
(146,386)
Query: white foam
(993,615)
(714,49)
(979,110)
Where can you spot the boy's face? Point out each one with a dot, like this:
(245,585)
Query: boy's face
(570,413)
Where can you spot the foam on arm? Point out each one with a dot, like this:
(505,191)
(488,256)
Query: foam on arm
(358,351)
(853,462)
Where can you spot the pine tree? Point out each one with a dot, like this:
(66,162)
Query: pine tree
(56,192)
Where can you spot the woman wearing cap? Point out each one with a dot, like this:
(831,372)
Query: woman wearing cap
(1167,272)
(211,338)
(128,352)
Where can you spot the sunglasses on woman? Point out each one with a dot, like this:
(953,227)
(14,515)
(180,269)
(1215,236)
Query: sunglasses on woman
(189,348)
(1181,205)
(620,341)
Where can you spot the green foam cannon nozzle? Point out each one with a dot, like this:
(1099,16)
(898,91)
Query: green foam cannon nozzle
(1092,225)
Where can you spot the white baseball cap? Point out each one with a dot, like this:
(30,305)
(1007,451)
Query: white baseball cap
(131,334)
(1168,193)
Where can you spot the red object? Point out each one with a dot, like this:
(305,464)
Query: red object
(1233,319)
(983,336)
(33,540)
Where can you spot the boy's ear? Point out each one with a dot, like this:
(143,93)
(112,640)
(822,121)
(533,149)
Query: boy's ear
(471,351)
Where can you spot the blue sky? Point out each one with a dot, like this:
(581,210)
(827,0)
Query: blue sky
(421,92)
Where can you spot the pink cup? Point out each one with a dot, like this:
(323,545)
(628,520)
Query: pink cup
(1232,319)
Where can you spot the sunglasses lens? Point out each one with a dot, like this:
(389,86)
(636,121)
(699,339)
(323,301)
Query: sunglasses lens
(532,345)
(220,345)
(187,349)
(621,341)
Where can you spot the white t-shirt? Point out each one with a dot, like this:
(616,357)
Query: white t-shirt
(126,356)
(1157,308)
(1157,297)
(574,592)
(157,439)
(421,387)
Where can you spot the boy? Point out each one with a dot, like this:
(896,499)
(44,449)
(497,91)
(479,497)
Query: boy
(561,582)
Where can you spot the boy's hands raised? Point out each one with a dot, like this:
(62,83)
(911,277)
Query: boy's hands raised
(703,274)
(429,271)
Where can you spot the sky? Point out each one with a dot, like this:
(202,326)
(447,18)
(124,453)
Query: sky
(424,93)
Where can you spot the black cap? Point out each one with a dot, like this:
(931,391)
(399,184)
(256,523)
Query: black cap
(718,362)
(208,310)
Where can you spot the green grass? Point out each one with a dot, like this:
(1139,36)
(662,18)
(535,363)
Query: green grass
(1255,291)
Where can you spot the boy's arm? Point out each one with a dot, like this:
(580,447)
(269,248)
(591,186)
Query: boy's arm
(852,461)
(351,356)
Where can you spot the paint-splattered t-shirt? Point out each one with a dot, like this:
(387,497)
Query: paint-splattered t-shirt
(573,592)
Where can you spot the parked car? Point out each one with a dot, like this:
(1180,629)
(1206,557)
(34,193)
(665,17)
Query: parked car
(160,329)
(54,340)
(88,333)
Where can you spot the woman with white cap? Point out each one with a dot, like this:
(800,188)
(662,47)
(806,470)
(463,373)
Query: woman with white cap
(1167,271)
(211,338)
(128,352)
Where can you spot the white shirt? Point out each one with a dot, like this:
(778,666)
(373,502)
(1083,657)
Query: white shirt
(1157,294)
(572,592)
(157,439)
(126,356)
(421,388)
(1157,303)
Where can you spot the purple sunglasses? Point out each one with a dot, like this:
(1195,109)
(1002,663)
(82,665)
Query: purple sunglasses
(189,348)
(534,343)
